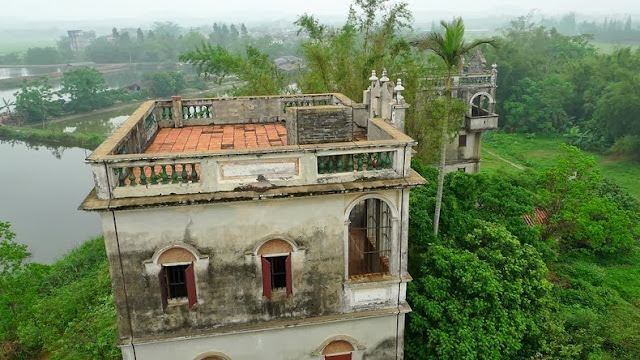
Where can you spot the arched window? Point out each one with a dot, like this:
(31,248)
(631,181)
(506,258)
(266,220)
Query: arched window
(338,350)
(275,257)
(177,277)
(482,104)
(369,238)
(212,356)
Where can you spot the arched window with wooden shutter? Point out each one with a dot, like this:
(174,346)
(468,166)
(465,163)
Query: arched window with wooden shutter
(177,277)
(338,350)
(275,258)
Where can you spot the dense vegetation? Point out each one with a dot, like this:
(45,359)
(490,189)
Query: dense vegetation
(488,285)
(83,89)
(551,83)
(64,310)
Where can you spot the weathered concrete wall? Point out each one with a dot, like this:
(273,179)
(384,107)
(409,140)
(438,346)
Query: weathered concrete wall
(376,338)
(464,157)
(323,124)
(374,132)
(229,283)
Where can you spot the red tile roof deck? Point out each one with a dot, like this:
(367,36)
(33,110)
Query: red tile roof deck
(218,137)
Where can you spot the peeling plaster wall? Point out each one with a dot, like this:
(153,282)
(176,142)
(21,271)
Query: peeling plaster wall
(467,157)
(229,282)
(376,335)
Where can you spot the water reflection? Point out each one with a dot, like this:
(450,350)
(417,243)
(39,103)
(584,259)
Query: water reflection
(41,190)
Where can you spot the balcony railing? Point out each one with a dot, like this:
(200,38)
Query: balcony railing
(122,169)
(458,81)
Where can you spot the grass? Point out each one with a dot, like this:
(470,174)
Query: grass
(539,153)
(51,137)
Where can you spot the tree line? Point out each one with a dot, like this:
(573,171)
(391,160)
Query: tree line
(162,43)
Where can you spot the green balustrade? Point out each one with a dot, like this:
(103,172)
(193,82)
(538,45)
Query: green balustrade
(143,176)
(184,175)
(370,161)
(121,176)
(194,174)
(174,174)
(132,177)
(153,177)
(165,177)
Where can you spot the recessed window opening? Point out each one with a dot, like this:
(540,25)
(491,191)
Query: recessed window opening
(462,140)
(176,280)
(369,238)
(275,257)
(278,272)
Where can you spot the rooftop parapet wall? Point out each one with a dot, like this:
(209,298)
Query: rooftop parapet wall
(237,110)
(121,169)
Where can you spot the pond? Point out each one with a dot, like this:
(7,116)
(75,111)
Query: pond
(41,190)
(102,123)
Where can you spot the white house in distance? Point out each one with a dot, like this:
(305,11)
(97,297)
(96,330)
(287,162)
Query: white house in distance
(259,227)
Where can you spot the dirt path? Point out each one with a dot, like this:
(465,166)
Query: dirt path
(519,167)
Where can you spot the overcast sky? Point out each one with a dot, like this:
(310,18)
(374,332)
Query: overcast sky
(251,10)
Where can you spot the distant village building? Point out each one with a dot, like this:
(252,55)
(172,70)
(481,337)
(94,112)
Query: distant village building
(80,39)
(476,86)
(270,227)
(289,63)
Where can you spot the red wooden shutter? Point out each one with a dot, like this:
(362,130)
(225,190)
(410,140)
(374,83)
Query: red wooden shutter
(163,288)
(191,286)
(338,357)
(266,278)
(287,263)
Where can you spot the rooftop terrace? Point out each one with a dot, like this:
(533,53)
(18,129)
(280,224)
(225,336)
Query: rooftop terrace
(194,146)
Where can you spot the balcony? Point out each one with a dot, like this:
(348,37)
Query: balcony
(248,143)
(481,120)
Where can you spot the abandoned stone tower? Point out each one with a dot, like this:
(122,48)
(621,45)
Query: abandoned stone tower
(259,227)
(476,87)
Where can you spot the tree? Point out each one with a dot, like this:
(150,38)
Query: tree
(482,296)
(578,217)
(6,105)
(213,62)
(451,48)
(42,56)
(87,89)
(341,59)
(539,106)
(12,254)
(35,102)
(166,83)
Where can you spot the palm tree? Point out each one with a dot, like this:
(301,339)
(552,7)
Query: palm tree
(451,47)
(7,104)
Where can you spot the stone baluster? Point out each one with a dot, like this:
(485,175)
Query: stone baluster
(143,176)
(194,174)
(177,111)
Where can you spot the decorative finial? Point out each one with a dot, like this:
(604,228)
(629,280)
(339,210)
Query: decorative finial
(398,89)
(373,76)
(494,66)
(399,86)
(384,77)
